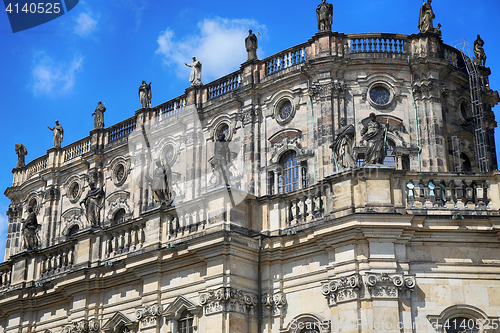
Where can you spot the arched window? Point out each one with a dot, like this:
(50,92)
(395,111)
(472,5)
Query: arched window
(186,322)
(288,180)
(390,157)
(119,216)
(74,229)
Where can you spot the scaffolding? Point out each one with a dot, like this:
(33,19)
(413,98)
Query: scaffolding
(480,147)
(457,162)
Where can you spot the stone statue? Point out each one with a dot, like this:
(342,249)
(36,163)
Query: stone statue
(324,14)
(221,160)
(342,146)
(426,17)
(93,203)
(99,116)
(145,94)
(251,45)
(479,52)
(161,184)
(21,152)
(58,134)
(195,77)
(373,134)
(30,229)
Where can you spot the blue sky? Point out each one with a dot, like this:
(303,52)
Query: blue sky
(102,50)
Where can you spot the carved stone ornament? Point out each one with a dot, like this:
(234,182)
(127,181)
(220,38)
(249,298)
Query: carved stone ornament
(227,299)
(275,305)
(428,89)
(284,140)
(149,315)
(326,90)
(383,285)
(342,289)
(82,326)
(247,117)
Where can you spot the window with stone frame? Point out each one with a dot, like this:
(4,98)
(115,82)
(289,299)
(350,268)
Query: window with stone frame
(185,322)
(288,179)
(73,230)
(390,156)
(119,216)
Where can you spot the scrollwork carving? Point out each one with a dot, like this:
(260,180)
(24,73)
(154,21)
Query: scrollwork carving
(149,315)
(228,299)
(342,289)
(383,285)
(274,304)
(82,326)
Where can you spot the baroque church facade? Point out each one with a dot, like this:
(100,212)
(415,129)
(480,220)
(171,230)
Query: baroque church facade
(346,184)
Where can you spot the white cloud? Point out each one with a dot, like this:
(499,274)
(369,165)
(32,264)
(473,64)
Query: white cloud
(219,45)
(85,24)
(50,77)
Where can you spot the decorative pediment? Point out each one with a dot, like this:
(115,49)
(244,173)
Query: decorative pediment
(72,217)
(118,321)
(285,140)
(117,200)
(177,307)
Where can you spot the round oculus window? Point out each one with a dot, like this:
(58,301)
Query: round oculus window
(380,95)
(285,110)
(120,173)
(74,190)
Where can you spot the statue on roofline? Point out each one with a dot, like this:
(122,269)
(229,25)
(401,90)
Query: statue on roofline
(195,76)
(251,45)
(145,94)
(58,134)
(21,152)
(426,17)
(479,52)
(99,116)
(324,14)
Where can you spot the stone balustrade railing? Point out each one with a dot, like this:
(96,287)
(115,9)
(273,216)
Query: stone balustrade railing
(224,85)
(123,238)
(364,45)
(170,108)
(121,130)
(76,149)
(447,192)
(285,59)
(186,219)
(377,43)
(451,55)
(56,261)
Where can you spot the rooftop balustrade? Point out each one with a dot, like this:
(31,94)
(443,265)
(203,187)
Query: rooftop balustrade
(364,45)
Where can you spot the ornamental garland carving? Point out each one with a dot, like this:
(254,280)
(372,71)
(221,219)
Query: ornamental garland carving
(82,326)
(342,289)
(285,144)
(227,299)
(377,285)
(274,305)
(149,315)
(383,285)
